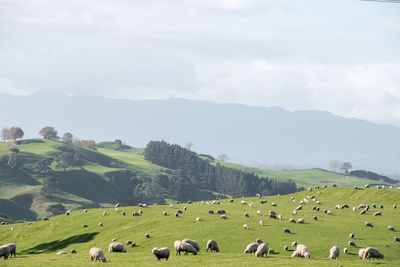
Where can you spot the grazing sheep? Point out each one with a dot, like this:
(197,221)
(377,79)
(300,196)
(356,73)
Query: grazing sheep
(373,253)
(274,204)
(259,241)
(97,254)
(351,235)
(116,247)
(292,220)
(286,248)
(396,239)
(85,211)
(12,249)
(198,219)
(123,213)
(223,216)
(262,250)
(45,219)
(334,253)
(161,253)
(273,216)
(221,211)
(147,235)
(100,224)
(165,213)
(129,242)
(85,226)
(5,252)
(176,214)
(210,212)
(116,205)
(391,228)
(186,247)
(212,246)
(259,212)
(368,224)
(134,244)
(294,244)
(300,207)
(345,250)
(243,202)
(315,218)
(381,206)
(184,208)
(377,213)
(301,251)
(286,230)
(251,248)
(246,215)
(261,223)
(193,243)
(73,251)
(280,217)
(361,253)
(231,200)
(352,244)
(300,220)
(263,201)
(363,212)
(245,227)
(104,213)
(68,212)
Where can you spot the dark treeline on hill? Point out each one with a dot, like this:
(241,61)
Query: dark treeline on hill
(372,176)
(191,170)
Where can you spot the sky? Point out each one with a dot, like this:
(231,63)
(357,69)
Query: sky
(341,56)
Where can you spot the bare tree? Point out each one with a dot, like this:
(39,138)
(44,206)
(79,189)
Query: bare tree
(5,134)
(189,146)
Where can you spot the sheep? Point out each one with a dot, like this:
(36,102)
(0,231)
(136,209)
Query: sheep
(243,202)
(259,212)
(273,216)
(184,208)
(352,244)
(221,212)
(85,226)
(262,250)
(123,213)
(299,207)
(263,201)
(223,216)
(251,248)
(315,218)
(300,220)
(301,251)
(177,214)
(193,243)
(5,252)
(391,228)
(161,253)
(280,217)
(245,227)
(97,254)
(212,246)
(274,204)
(373,253)
(134,244)
(286,230)
(85,211)
(351,235)
(100,224)
(363,212)
(294,244)
(13,249)
(73,251)
(396,239)
(231,200)
(117,205)
(345,250)
(368,224)
(68,212)
(261,223)
(291,220)
(184,247)
(377,213)
(198,219)
(165,213)
(286,248)
(129,242)
(147,235)
(334,253)
(210,212)
(104,213)
(246,215)
(361,253)
(116,247)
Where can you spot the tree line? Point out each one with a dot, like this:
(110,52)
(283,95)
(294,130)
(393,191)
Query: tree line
(191,170)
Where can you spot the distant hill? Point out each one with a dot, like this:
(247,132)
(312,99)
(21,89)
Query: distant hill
(265,135)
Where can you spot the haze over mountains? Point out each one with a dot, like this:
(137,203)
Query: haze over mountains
(263,135)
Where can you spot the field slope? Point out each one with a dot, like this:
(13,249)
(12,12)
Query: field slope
(39,241)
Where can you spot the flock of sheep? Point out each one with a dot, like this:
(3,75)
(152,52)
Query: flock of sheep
(259,248)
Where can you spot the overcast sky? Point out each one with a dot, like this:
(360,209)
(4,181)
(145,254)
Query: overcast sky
(341,56)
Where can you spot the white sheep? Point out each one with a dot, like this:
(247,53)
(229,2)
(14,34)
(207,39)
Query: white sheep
(262,250)
(212,246)
(361,253)
(334,253)
(345,250)
(251,248)
(161,253)
(301,251)
(245,227)
(261,223)
(116,247)
(97,254)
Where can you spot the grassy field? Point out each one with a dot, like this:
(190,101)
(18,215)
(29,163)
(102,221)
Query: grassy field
(39,242)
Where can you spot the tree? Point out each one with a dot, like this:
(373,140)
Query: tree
(15,133)
(346,167)
(67,138)
(48,133)
(5,134)
(89,144)
(189,146)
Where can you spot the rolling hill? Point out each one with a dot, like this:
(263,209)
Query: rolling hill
(39,241)
(265,135)
(108,175)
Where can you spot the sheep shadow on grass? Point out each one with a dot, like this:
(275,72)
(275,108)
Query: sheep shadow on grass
(60,244)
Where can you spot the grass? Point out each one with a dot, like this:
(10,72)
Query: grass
(39,242)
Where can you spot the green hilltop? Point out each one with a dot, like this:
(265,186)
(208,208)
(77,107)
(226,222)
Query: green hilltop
(113,173)
(39,241)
